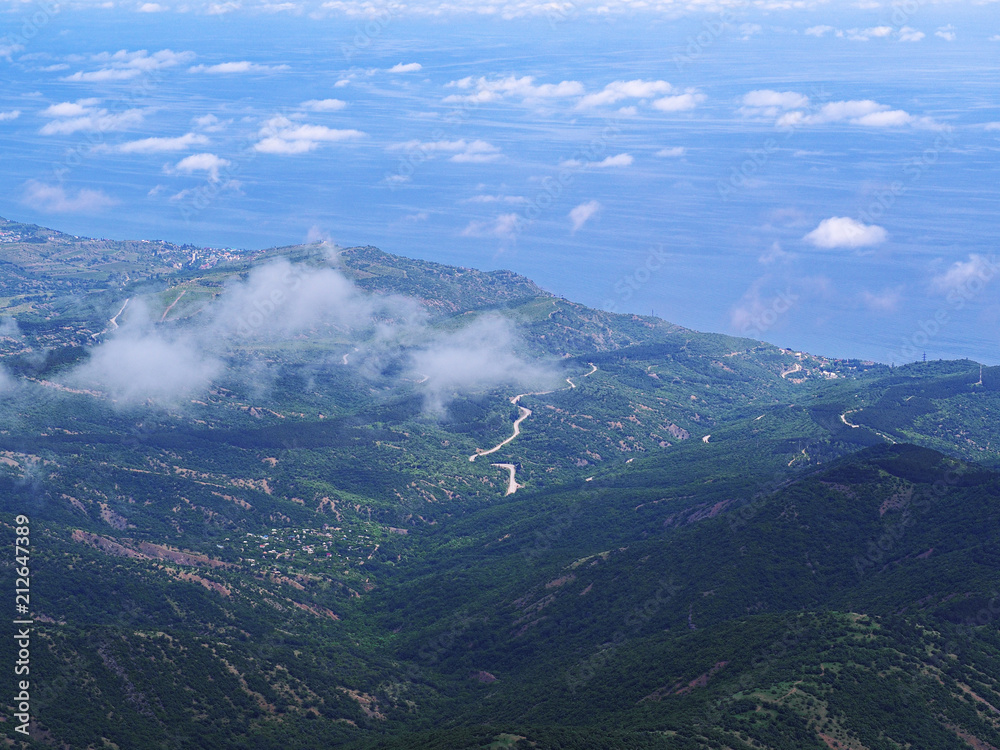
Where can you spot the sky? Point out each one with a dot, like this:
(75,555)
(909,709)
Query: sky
(820,175)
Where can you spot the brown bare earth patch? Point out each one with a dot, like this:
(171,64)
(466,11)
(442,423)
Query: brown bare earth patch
(560,581)
(210,585)
(680,688)
(896,502)
(971,739)
(368,703)
(146,550)
(315,610)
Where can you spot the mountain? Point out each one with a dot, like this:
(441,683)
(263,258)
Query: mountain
(317,496)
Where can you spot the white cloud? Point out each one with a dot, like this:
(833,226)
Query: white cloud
(908,34)
(618,160)
(151,8)
(124,65)
(819,30)
(769,103)
(885,301)
(7,49)
(512,199)
(84,115)
(463,151)
(243,66)
(748,30)
(946,32)
(995,38)
(485,90)
(964,275)
(992,126)
(157,145)
(679,103)
(323,105)
(774,254)
(57,199)
(478,356)
(886,119)
(583,213)
(11,115)
(672,152)
(210,123)
(842,231)
(208,163)
(618,90)
(864,112)
(504,226)
(406,68)
(282,136)
(141,364)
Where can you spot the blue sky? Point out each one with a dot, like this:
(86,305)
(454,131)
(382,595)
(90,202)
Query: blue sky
(820,175)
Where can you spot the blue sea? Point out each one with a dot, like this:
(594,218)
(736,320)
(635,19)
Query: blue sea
(824,178)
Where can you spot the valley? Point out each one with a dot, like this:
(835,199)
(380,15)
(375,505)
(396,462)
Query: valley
(260,519)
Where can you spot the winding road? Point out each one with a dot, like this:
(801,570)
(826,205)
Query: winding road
(512,485)
(524,413)
(113,321)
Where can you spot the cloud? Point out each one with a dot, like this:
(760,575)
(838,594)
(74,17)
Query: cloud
(210,123)
(886,301)
(769,103)
(124,65)
(323,105)
(504,226)
(407,68)
(485,90)
(243,66)
(7,49)
(946,32)
(157,145)
(463,151)
(619,160)
(583,213)
(679,103)
(842,231)
(83,115)
(964,275)
(514,199)
(151,8)
(57,199)
(618,90)
(819,31)
(672,152)
(208,163)
(864,112)
(907,34)
(11,115)
(480,356)
(774,254)
(863,35)
(141,363)
(282,136)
